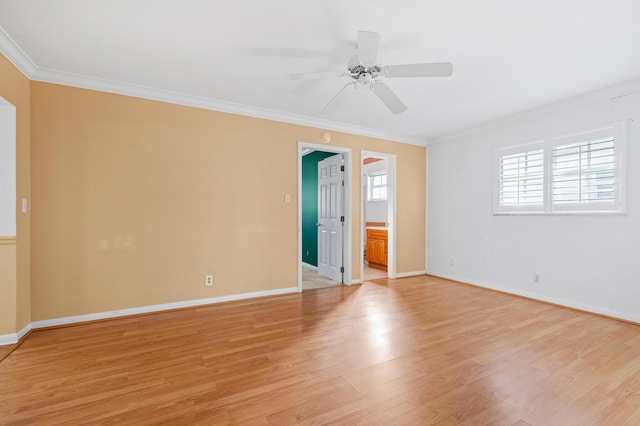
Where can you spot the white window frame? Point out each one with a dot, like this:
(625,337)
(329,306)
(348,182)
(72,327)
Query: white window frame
(370,186)
(616,206)
(508,151)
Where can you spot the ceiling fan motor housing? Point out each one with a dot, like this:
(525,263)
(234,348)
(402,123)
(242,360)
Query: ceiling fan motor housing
(363,70)
(365,75)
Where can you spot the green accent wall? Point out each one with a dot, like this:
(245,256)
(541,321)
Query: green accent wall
(310,205)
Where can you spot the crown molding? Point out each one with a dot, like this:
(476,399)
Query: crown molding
(600,95)
(15,54)
(110,86)
(12,51)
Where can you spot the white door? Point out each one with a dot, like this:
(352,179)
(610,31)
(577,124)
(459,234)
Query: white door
(330,217)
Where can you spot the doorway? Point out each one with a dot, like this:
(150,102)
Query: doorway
(307,249)
(378,213)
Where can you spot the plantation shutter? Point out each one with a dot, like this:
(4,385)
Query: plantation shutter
(585,173)
(521,179)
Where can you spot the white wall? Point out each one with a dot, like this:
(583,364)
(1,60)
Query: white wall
(587,262)
(375,211)
(7,169)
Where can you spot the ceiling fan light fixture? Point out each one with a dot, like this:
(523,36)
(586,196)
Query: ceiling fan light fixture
(365,79)
(363,68)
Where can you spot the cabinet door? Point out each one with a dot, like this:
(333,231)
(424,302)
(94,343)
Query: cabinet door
(379,252)
(371,250)
(377,246)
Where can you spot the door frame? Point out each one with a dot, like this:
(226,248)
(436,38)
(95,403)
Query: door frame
(391,212)
(347,240)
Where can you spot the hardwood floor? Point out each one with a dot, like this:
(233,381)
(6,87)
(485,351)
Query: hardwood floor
(5,350)
(412,351)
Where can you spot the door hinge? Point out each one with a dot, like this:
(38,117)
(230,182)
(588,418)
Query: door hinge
(342,168)
(342,269)
(341,218)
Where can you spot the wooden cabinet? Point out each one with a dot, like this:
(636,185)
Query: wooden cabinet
(377,248)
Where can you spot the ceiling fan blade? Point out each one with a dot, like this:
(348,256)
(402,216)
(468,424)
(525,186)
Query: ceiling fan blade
(368,45)
(313,75)
(389,98)
(436,69)
(339,98)
(283,52)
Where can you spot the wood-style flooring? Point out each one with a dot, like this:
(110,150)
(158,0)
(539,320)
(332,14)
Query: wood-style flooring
(5,350)
(414,351)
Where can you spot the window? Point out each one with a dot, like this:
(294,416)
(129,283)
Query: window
(585,172)
(579,173)
(522,179)
(377,187)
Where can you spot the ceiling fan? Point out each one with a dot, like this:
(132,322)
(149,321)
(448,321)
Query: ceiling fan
(366,71)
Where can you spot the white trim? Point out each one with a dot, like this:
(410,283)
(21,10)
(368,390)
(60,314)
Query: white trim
(410,274)
(356,282)
(13,52)
(534,296)
(391,211)
(617,130)
(611,92)
(426,210)
(158,308)
(16,55)
(8,339)
(521,149)
(144,92)
(27,328)
(392,232)
(13,338)
(347,248)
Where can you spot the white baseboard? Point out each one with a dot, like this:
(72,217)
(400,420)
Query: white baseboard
(534,296)
(8,339)
(13,338)
(157,308)
(409,274)
(24,331)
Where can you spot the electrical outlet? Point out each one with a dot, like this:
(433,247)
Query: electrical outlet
(452,262)
(536,278)
(208,280)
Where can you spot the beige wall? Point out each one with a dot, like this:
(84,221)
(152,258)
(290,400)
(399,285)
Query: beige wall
(8,305)
(411,212)
(14,255)
(136,200)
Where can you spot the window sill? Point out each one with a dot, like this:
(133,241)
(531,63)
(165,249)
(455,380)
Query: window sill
(585,213)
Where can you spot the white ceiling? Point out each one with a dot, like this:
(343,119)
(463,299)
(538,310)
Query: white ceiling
(509,56)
